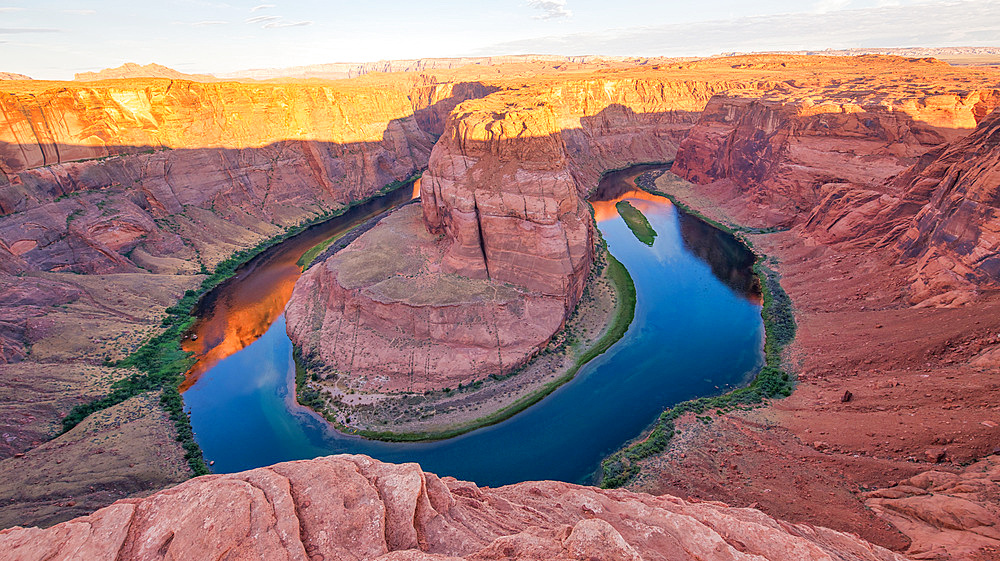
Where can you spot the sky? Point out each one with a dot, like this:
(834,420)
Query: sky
(53,39)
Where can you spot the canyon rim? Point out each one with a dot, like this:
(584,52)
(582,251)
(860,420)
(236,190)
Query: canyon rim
(870,183)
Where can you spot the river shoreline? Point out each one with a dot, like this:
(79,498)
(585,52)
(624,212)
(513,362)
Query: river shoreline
(160,364)
(601,318)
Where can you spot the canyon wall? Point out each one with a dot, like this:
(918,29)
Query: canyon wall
(115,198)
(354,507)
(789,149)
(504,192)
(170,176)
(383,315)
(137,185)
(954,238)
(507,179)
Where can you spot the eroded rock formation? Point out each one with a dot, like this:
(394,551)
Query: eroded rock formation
(505,189)
(354,507)
(234,163)
(788,150)
(955,236)
(947,515)
(116,196)
(385,315)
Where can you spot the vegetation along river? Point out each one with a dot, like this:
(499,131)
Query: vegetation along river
(697,331)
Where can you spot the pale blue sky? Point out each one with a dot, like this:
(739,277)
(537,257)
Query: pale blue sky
(53,39)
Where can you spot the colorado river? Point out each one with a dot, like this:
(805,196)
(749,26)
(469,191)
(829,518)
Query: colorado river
(697,331)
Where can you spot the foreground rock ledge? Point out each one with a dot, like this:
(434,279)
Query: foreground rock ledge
(354,507)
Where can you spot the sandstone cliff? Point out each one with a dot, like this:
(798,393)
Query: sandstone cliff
(354,507)
(787,150)
(233,164)
(115,196)
(955,236)
(383,315)
(506,180)
(505,190)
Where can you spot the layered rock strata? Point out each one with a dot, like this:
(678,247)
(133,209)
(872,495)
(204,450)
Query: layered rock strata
(54,321)
(354,507)
(506,180)
(940,214)
(387,317)
(505,191)
(946,514)
(955,236)
(788,150)
(116,196)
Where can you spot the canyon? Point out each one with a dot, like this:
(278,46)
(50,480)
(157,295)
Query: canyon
(870,180)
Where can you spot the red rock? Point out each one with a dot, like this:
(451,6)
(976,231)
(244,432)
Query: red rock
(383,315)
(786,150)
(354,507)
(955,236)
(946,515)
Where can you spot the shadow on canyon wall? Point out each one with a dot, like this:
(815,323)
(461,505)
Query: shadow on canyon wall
(175,211)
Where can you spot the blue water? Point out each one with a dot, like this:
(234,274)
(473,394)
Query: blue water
(693,335)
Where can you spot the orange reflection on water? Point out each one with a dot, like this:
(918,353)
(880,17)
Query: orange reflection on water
(246,305)
(605,210)
(239,318)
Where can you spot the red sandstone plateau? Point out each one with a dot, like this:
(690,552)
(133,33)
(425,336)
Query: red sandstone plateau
(878,173)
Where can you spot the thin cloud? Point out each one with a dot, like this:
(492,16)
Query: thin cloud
(12,30)
(551,9)
(281,24)
(262,7)
(201,23)
(10,9)
(80,12)
(915,24)
(262,19)
(824,6)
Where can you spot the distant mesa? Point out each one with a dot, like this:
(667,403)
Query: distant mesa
(341,70)
(956,56)
(133,70)
(344,70)
(13,76)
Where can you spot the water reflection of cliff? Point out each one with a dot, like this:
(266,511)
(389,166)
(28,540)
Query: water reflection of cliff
(241,309)
(730,260)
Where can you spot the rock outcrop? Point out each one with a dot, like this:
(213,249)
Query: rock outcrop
(506,181)
(788,150)
(940,214)
(946,515)
(955,236)
(354,507)
(382,315)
